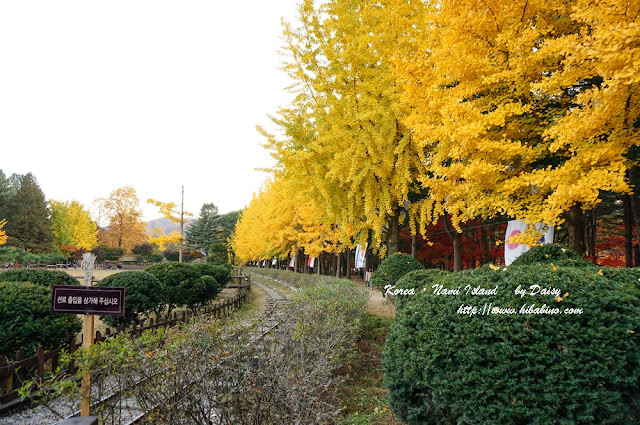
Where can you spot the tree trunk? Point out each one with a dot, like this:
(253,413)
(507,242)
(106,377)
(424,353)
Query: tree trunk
(576,229)
(456,238)
(348,262)
(635,210)
(484,246)
(414,245)
(338,265)
(394,233)
(590,237)
(628,231)
(635,214)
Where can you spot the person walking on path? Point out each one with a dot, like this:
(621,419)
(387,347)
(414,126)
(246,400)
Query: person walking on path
(367,278)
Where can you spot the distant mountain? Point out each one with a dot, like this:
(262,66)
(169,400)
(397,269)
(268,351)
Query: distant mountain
(165,224)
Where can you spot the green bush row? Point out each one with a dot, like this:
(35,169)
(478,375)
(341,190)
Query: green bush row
(25,300)
(393,268)
(11,254)
(39,277)
(451,358)
(291,378)
(165,286)
(296,280)
(26,320)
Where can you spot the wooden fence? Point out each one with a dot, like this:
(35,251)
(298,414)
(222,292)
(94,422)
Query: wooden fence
(14,373)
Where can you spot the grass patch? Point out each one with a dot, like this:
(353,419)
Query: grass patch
(363,398)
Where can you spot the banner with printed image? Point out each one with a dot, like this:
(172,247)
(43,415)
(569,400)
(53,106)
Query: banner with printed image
(513,250)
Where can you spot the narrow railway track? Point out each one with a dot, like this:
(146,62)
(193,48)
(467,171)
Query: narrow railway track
(126,408)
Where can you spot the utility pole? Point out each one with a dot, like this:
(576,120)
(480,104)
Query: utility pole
(181,224)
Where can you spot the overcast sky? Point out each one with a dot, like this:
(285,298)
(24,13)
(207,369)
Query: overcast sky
(150,94)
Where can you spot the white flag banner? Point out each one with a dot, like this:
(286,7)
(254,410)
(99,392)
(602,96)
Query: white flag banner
(264,263)
(513,250)
(292,263)
(274,261)
(312,261)
(361,256)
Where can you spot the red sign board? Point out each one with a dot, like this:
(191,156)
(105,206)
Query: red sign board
(98,300)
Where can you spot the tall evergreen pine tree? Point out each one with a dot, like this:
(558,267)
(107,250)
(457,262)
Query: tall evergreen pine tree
(201,231)
(28,218)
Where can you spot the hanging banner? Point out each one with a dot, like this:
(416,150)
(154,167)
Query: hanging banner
(311,261)
(274,261)
(292,263)
(361,256)
(513,250)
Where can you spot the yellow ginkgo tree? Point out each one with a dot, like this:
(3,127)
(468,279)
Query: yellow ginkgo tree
(344,133)
(281,221)
(170,211)
(3,235)
(497,97)
(72,225)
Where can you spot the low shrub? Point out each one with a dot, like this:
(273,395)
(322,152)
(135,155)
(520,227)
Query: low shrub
(331,312)
(289,278)
(178,282)
(444,364)
(205,290)
(416,280)
(39,277)
(143,296)
(393,268)
(26,320)
(220,370)
(221,273)
(549,253)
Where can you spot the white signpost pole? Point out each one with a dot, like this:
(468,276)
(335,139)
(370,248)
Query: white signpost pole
(87,264)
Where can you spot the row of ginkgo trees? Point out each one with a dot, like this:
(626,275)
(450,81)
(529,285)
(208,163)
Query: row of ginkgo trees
(452,110)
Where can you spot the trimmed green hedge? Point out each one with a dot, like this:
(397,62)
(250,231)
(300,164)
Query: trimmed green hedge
(293,279)
(178,282)
(550,253)
(39,277)
(445,365)
(393,268)
(221,273)
(143,296)
(26,320)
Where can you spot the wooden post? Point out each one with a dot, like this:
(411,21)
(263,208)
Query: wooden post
(88,260)
(87,342)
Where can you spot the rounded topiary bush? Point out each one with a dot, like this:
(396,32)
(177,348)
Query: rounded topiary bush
(550,253)
(26,320)
(393,268)
(221,273)
(39,277)
(416,280)
(205,290)
(143,295)
(446,365)
(178,281)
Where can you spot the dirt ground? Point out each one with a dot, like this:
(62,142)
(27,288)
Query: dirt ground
(378,305)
